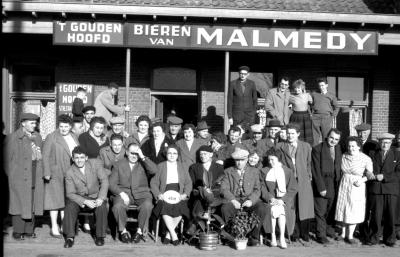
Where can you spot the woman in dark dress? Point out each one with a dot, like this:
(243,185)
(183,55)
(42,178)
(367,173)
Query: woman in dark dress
(171,179)
(94,139)
(155,147)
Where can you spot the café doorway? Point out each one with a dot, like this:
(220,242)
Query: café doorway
(184,106)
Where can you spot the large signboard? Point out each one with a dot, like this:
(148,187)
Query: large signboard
(190,36)
(66,93)
(88,33)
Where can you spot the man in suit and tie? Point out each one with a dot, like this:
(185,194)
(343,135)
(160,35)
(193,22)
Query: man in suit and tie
(383,191)
(326,161)
(129,184)
(242,99)
(86,185)
(241,188)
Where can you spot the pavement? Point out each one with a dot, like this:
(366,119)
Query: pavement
(46,246)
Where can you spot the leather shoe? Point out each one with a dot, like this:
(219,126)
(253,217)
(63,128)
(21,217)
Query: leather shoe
(99,241)
(166,241)
(390,243)
(351,241)
(69,243)
(175,242)
(125,238)
(18,236)
(30,235)
(323,241)
(137,237)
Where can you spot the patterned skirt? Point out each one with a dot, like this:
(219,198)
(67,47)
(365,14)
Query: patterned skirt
(303,119)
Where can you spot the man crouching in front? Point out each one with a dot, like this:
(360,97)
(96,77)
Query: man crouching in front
(86,185)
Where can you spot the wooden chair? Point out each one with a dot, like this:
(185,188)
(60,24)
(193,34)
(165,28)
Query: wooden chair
(158,227)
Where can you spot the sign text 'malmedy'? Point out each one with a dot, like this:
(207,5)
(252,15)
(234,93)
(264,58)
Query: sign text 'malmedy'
(217,37)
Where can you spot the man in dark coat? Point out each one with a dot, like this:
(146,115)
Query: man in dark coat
(130,185)
(242,99)
(174,128)
(383,191)
(86,186)
(23,166)
(326,161)
(206,177)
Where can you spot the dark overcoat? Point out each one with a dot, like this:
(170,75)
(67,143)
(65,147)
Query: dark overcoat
(242,106)
(18,167)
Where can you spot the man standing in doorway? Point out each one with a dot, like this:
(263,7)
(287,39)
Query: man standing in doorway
(324,109)
(105,105)
(242,99)
(277,102)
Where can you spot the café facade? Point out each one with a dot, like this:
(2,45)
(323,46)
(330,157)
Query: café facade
(180,56)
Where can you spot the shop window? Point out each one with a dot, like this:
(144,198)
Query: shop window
(32,78)
(174,79)
(263,80)
(347,88)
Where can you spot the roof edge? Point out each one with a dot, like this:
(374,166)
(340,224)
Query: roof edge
(200,12)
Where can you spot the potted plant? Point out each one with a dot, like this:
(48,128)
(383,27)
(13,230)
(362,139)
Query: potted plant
(209,229)
(240,226)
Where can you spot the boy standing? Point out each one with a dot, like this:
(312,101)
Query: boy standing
(78,105)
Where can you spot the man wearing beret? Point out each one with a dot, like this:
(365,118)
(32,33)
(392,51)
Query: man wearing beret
(105,103)
(206,177)
(23,166)
(88,113)
(383,191)
(242,99)
(174,128)
(241,188)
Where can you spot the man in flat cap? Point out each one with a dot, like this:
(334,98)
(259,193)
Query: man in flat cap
(88,113)
(257,143)
(383,191)
(277,102)
(206,177)
(241,189)
(174,128)
(364,132)
(369,146)
(105,103)
(242,99)
(23,166)
(117,125)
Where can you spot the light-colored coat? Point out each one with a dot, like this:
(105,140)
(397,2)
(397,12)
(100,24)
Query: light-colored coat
(189,157)
(105,106)
(56,161)
(158,183)
(94,184)
(273,100)
(304,176)
(18,167)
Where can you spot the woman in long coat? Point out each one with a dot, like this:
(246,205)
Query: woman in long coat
(57,151)
(188,146)
(23,166)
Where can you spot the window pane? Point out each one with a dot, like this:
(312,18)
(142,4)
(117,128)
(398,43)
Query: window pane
(351,88)
(174,79)
(31,78)
(332,85)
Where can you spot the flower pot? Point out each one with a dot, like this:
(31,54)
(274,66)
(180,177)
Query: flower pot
(208,241)
(241,244)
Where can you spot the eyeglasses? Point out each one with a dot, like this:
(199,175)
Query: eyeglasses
(133,153)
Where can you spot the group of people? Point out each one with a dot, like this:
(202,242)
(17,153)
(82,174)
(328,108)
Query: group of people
(174,172)
(313,112)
